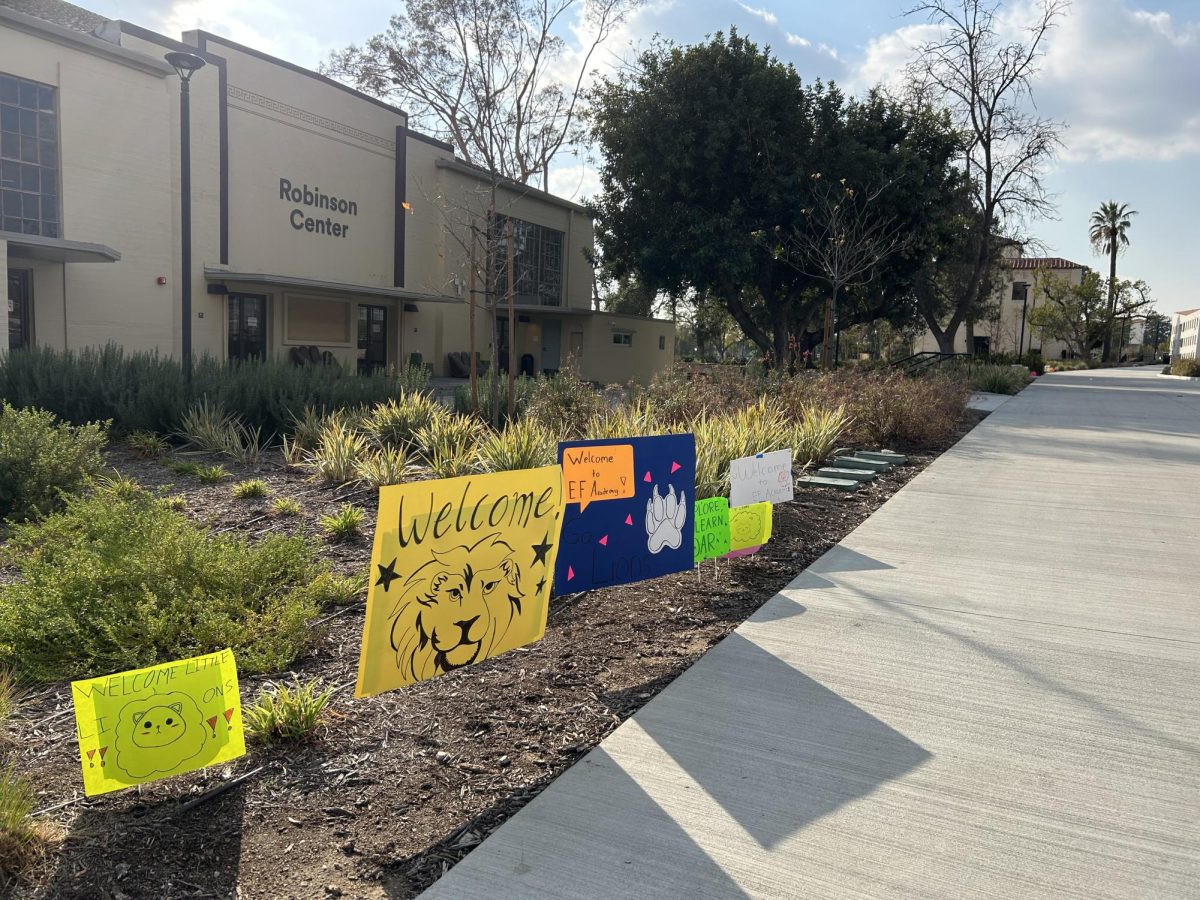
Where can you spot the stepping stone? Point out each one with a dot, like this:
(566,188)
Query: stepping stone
(851,474)
(896,459)
(855,462)
(841,484)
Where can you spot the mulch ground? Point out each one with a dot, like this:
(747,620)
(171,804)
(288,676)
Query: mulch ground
(395,789)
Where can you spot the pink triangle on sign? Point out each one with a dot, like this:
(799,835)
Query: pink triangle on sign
(675,467)
(629,519)
(604,541)
(570,573)
(647,478)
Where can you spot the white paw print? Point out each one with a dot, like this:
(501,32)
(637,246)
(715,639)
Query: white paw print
(665,517)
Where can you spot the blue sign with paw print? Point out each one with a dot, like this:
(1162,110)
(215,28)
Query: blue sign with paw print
(628,510)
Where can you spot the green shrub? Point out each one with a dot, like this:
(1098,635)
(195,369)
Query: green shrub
(208,427)
(175,502)
(565,404)
(388,465)
(114,583)
(21,838)
(887,408)
(146,444)
(339,452)
(285,506)
(998,379)
(41,459)
(9,701)
(344,524)
(1188,367)
(627,419)
(287,714)
(394,422)
(818,434)
(334,590)
(681,394)
(147,392)
(523,393)
(251,489)
(208,474)
(525,444)
(450,435)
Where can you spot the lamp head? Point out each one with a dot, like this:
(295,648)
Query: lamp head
(186,64)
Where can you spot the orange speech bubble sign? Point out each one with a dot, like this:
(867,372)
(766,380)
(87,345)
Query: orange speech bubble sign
(602,472)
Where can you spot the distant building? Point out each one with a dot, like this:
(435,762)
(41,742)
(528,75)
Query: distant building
(1014,297)
(320,219)
(1185,334)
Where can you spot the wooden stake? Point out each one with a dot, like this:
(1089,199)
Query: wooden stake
(512,327)
(471,300)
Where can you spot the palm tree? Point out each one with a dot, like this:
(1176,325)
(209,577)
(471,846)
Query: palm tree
(1109,233)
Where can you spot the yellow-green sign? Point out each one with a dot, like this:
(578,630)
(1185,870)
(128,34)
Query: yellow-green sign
(749,528)
(147,724)
(460,571)
(712,528)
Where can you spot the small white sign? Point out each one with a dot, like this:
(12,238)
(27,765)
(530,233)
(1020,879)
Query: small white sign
(765,477)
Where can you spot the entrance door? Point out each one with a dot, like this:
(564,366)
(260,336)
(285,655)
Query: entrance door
(551,344)
(983,346)
(247,326)
(372,337)
(20,310)
(576,345)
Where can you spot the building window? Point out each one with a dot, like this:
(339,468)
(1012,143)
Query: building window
(623,338)
(537,262)
(28,158)
(1020,291)
(662,342)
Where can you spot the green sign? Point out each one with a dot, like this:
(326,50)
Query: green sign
(712,528)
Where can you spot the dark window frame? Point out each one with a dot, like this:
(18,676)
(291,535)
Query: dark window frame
(30,165)
(539,257)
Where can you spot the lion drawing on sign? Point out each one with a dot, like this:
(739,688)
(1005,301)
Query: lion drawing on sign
(456,608)
(158,734)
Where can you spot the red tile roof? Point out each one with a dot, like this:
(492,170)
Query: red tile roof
(1187,312)
(1043,262)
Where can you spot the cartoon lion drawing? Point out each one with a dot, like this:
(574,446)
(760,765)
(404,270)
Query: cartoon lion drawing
(158,734)
(456,609)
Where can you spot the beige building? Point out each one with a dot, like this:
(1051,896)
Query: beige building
(1185,334)
(319,218)
(1015,296)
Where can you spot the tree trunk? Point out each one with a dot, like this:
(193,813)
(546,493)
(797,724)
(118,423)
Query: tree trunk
(1106,352)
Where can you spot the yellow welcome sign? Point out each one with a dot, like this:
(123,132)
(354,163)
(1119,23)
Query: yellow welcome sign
(148,724)
(461,571)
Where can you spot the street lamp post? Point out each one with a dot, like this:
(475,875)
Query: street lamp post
(186,64)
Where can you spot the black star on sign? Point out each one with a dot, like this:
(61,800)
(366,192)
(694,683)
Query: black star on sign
(541,585)
(540,551)
(387,574)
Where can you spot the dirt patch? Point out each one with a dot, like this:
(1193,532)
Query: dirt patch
(397,788)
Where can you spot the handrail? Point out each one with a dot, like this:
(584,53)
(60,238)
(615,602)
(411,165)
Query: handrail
(921,362)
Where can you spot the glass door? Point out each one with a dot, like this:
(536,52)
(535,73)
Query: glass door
(372,337)
(247,326)
(20,310)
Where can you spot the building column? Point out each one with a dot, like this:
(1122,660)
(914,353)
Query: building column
(4,305)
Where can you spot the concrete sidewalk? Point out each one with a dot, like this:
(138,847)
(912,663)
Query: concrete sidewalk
(990,688)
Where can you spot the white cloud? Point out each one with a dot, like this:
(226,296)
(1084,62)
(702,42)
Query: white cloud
(765,14)
(796,41)
(575,181)
(1122,79)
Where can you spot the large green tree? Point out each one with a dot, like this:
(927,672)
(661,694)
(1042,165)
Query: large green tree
(707,147)
(1079,315)
(1108,230)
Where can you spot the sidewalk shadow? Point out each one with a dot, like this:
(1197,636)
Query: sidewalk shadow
(618,838)
(151,852)
(775,748)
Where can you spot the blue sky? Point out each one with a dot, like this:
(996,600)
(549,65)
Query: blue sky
(1123,74)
